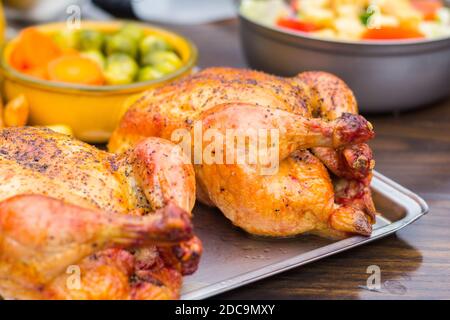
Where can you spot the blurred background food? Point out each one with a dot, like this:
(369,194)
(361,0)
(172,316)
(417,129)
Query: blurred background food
(85,78)
(16,112)
(162,11)
(94,57)
(353,20)
(374,45)
(391,65)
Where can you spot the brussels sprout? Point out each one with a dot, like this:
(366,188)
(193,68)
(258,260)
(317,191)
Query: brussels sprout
(121,44)
(95,56)
(67,38)
(166,67)
(132,31)
(157,57)
(152,43)
(120,69)
(149,73)
(91,40)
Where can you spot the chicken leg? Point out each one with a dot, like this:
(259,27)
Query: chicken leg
(330,99)
(254,201)
(40,236)
(123,221)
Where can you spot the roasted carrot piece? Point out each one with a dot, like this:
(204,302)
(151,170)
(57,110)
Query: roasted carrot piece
(75,69)
(38,72)
(33,49)
(17,59)
(391,33)
(1,113)
(16,112)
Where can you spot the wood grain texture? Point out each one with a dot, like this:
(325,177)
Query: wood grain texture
(412,148)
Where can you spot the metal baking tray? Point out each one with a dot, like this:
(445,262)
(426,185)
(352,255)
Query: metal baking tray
(233,258)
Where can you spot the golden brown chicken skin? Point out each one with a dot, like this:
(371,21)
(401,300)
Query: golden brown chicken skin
(319,129)
(122,222)
(353,164)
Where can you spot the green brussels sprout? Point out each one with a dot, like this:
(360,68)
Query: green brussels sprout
(132,31)
(121,44)
(91,40)
(120,69)
(158,57)
(148,73)
(95,56)
(67,38)
(166,67)
(152,43)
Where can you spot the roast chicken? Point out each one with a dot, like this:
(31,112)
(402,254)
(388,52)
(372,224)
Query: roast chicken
(80,223)
(322,184)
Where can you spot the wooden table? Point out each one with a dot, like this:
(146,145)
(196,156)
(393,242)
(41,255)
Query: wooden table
(411,148)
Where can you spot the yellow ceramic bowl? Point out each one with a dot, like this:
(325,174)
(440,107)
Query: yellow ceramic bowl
(91,111)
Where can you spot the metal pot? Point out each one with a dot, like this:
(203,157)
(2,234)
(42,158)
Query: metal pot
(385,76)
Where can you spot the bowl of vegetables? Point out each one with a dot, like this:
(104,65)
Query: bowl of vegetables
(86,77)
(394,54)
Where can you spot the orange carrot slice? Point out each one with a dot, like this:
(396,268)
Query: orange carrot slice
(391,33)
(75,69)
(33,49)
(38,72)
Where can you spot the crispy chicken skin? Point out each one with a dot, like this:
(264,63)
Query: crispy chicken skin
(123,221)
(353,164)
(316,115)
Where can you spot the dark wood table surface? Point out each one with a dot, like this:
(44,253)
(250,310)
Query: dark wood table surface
(412,148)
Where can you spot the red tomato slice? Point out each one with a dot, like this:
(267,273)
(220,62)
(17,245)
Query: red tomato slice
(391,33)
(428,8)
(297,25)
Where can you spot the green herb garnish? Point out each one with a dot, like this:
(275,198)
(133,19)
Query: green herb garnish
(366,15)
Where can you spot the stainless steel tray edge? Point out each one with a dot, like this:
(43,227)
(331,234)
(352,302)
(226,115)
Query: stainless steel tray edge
(415,208)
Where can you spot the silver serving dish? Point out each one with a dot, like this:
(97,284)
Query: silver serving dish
(385,76)
(233,258)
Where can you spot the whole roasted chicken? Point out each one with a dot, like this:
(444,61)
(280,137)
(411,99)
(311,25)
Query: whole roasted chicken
(325,168)
(80,223)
